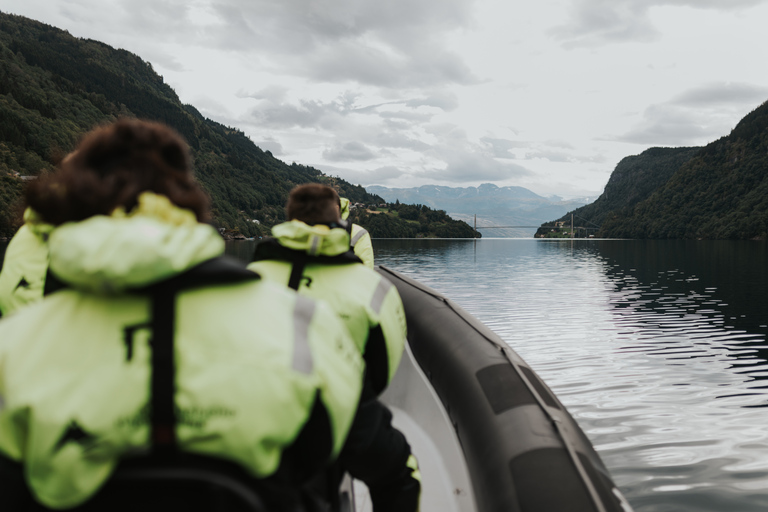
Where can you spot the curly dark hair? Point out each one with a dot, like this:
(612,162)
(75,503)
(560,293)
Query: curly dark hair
(111,166)
(312,204)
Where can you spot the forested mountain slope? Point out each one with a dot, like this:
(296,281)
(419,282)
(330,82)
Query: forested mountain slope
(54,87)
(633,180)
(719,191)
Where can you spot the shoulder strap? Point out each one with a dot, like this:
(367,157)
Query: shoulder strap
(272,250)
(297,270)
(162,407)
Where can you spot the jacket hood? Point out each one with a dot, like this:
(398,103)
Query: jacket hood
(344,209)
(36,224)
(119,252)
(317,240)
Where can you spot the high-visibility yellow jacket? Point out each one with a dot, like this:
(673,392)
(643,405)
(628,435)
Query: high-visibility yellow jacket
(22,278)
(367,302)
(252,358)
(359,238)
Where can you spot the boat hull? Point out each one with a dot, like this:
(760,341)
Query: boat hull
(518,447)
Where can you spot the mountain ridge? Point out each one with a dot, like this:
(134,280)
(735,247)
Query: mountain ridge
(719,191)
(55,87)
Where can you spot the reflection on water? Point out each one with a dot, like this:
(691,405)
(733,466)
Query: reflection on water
(657,348)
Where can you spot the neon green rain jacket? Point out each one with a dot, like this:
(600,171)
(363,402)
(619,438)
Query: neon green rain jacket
(367,302)
(22,279)
(251,358)
(359,238)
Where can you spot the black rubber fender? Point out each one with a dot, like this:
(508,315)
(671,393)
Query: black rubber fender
(524,452)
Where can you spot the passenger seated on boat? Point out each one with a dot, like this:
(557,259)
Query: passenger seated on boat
(22,277)
(150,350)
(24,273)
(310,253)
(359,238)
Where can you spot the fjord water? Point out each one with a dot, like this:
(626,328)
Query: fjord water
(657,348)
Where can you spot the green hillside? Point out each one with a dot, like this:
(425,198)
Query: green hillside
(719,191)
(396,220)
(634,179)
(54,87)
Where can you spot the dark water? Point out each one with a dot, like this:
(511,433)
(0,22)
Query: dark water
(657,348)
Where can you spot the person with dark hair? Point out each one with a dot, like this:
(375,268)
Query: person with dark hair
(359,237)
(310,253)
(157,345)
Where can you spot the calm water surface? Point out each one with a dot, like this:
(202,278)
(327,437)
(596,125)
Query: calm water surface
(657,348)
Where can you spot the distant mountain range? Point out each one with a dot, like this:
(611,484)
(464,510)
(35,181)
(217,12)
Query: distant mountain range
(719,191)
(493,205)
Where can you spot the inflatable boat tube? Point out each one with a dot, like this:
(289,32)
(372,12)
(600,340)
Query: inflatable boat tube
(489,434)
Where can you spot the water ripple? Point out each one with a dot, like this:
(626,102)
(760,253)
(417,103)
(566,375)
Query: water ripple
(649,360)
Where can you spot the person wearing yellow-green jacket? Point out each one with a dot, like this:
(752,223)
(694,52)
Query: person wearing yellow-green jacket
(23,274)
(251,372)
(359,238)
(311,254)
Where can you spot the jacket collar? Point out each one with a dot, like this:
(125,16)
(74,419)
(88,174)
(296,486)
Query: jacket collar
(123,251)
(317,240)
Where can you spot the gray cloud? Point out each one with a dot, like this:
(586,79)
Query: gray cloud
(349,152)
(274,112)
(696,116)
(306,114)
(305,24)
(398,43)
(465,166)
(271,145)
(599,22)
(552,156)
(445,101)
(165,60)
(500,148)
(379,176)
(722,94)
(273,93)
(396,139)
(414,117)
(558,144)
(563,157)
(167,19)
(425,65)
(670,125)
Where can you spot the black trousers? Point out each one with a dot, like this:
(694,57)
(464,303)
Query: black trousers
(376,453)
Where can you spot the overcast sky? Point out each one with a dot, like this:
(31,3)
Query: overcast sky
(545,94)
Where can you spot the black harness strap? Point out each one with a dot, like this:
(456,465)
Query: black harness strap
(163,385)
(272,250)
(297,270)
(163,381)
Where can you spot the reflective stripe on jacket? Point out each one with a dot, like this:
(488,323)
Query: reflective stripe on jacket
(361,244)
